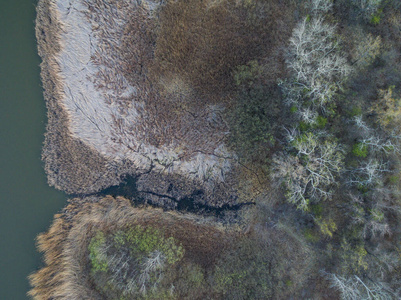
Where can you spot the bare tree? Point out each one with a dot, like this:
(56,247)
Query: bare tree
(319,7)
(369,173)
(367,7)
(378,141)
(354,288)
(375,228)
(315,62)
(151,271)
(312,172)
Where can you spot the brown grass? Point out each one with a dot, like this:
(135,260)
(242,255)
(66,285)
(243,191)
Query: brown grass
(66,274)
(182,59)
(186,59)
(66,271)
(204,43)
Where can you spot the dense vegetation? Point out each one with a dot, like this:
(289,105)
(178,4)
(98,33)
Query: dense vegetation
(337,152)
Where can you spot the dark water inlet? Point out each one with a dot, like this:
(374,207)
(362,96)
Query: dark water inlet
(27,203)
(188,203)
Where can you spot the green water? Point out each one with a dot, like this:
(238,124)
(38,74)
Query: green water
(27,203)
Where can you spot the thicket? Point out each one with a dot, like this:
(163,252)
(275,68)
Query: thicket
(132,263)
(339,161)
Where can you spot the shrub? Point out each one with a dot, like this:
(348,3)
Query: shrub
(96,253)
(360,150)
(246,75)
(375,20)
(311,235)
(321,122)
(132,262)
(353,257)
(327,226)
(252,127)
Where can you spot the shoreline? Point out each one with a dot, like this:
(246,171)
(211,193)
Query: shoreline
(70,165)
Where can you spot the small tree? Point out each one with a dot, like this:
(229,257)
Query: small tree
(310,174)
(369,173)
(354,288)
(367,8)
(317,65)
(319,7)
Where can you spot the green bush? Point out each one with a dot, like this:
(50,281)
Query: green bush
(321,122)
(133,262)
(353,256)
(96,253)
(251,123)
(303,126)
(355,111)
(360,150)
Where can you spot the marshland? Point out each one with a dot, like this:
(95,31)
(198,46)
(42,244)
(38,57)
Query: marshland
(222,149)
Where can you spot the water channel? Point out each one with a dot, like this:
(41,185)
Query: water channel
(27,203)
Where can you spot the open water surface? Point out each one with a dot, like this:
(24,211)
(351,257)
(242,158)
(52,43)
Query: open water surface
(27,203)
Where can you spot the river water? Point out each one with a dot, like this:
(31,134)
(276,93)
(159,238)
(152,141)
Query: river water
(27,203)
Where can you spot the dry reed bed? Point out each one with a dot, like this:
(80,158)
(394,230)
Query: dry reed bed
(65,245)
(75,165)
(70,164)
(100,123)
(278,250)
(128,89)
